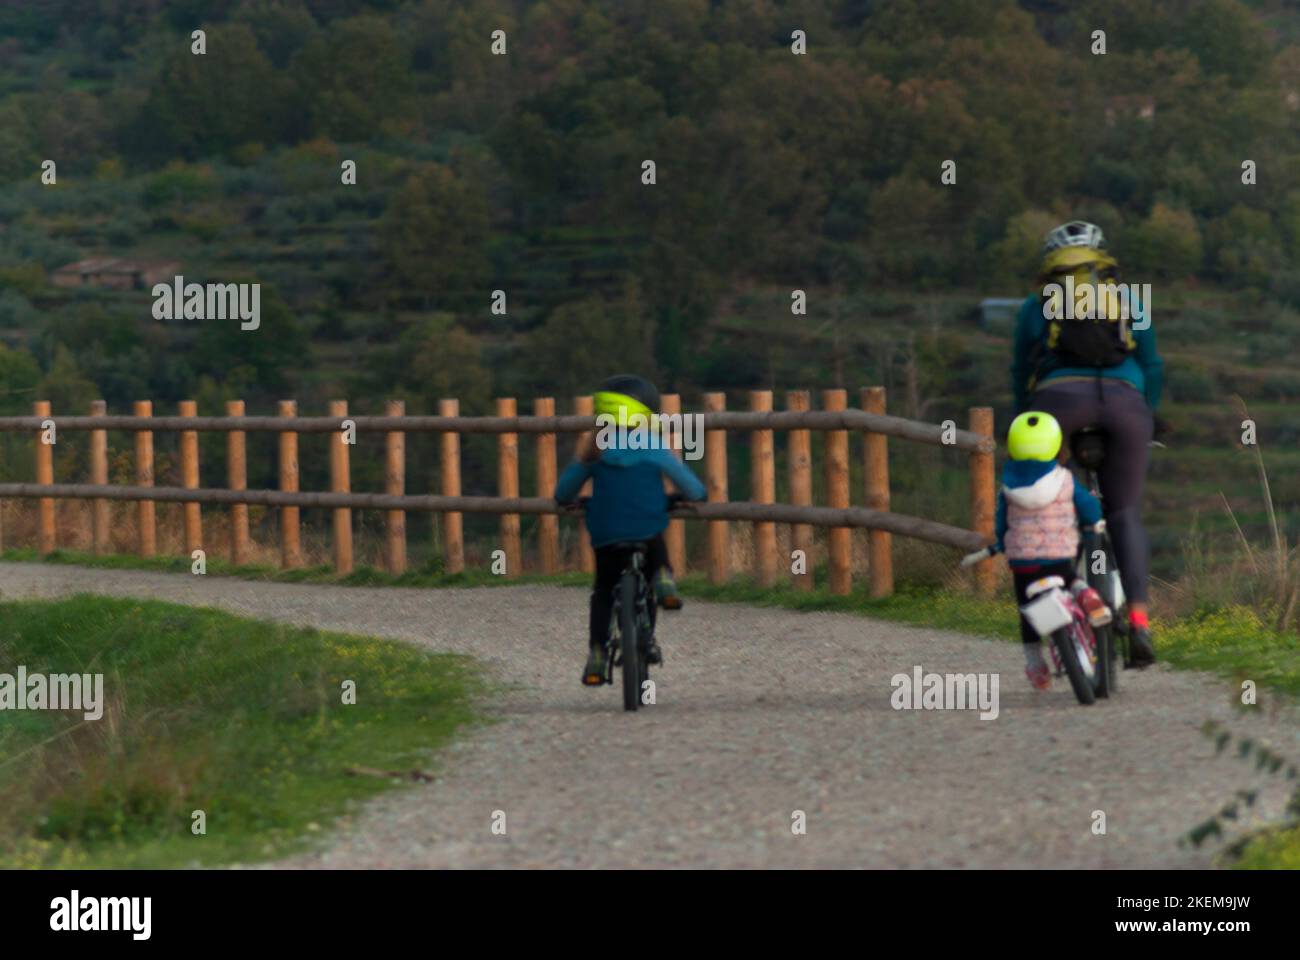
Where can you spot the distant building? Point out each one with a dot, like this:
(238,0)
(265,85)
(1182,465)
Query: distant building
(116,273)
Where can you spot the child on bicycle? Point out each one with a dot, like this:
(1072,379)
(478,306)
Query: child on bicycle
(1040,508)
(628,503)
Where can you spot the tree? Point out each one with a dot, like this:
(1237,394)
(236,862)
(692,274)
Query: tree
(1167,245)
(432,237)
(1016,257)
(433,359)
(354,79)
(584,341)
(1245,249)
(212,103)
(65,386)
(19,376)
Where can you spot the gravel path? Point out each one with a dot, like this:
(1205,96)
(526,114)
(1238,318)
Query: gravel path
(760,713)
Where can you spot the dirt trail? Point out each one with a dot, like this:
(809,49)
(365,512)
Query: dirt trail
(760,713)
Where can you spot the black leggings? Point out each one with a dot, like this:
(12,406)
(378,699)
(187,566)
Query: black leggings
(1122,413)
(610,563)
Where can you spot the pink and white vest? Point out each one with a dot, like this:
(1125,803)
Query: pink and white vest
(1041,522)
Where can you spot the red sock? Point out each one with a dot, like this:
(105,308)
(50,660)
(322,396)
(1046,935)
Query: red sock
(1138,619)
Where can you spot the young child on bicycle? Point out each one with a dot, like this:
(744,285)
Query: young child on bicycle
(627,503)
(1040,508)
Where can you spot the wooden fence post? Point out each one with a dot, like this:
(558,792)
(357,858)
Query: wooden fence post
(763,482)
(290,533)
(190,479)
(453,530)
(237,479)
(548,524)
(508,486)
(341,482)
(837,495)
(99,510)
(395,485)
(46,539)
(147,523)
(880,549)
(983,498)
(799,454)
(715,470)
(585,407)
(675,535)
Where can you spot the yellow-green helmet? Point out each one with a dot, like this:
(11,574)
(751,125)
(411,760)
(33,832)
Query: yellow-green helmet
(1034,436)
(629,399)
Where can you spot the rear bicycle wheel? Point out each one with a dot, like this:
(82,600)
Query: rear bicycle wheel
(1076,661)
(1107,662)
(629,638)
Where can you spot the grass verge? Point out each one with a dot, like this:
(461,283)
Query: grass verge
(202,710)
(363,576)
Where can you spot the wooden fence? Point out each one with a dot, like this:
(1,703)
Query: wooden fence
(835,419)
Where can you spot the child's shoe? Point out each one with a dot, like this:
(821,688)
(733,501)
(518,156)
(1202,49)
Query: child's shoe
(593,674)
(666,590)
(1093,605)
(1036,668)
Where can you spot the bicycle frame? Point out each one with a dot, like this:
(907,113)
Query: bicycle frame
(613,647)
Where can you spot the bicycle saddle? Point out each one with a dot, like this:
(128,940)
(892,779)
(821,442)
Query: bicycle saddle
(1088,447)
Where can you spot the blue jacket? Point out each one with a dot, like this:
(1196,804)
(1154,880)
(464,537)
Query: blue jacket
(1025,473)
(627,498)
(1142,368)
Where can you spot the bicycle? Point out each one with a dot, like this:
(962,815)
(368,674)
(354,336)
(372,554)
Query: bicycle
(630,626)
(1054,614)
(1057,617)
(1088,451)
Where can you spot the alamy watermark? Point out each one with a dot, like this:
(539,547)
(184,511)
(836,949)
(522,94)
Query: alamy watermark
(657,431)
(1091,301)
(55,691)
(76,913)
(213,301)
(946,691)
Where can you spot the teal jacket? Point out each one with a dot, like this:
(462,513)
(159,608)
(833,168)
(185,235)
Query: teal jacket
(1142,368)
(627,496)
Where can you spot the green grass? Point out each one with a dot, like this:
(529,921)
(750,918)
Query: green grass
(202,710)
(1277,849)
(362,576)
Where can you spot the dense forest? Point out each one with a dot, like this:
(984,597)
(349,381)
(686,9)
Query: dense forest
(522,171)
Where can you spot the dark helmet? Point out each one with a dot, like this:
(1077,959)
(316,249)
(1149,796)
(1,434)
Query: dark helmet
(616,392)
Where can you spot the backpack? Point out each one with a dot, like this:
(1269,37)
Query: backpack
(1103,341)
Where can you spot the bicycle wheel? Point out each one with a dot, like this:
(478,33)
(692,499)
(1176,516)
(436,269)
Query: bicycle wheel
(1074,658)
(630,639)
(1107,665)
(1111,589)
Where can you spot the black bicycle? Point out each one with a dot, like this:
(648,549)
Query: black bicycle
(1097,566)
(631,629)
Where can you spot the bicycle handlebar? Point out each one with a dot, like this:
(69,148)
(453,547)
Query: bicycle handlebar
(675,500)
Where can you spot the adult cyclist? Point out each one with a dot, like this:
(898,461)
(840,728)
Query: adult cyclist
(1096,370)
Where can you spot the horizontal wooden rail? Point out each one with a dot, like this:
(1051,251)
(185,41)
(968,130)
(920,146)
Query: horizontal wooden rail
(931,433)
(775,512)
